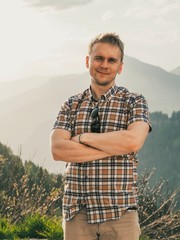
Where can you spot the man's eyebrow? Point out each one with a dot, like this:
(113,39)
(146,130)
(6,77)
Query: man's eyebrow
(110,58)
(113,59)
(99,56)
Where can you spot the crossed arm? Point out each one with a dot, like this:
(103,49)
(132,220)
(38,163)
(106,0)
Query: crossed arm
(97,145)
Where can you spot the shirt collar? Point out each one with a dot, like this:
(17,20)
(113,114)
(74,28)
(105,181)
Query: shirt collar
(107,96)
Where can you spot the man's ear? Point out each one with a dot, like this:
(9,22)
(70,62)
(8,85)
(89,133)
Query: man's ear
(87,61)
(120,68)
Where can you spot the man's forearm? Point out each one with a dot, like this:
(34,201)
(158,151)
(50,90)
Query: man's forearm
(70,151)
(114,143)
(117,142)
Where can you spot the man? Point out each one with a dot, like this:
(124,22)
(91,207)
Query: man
(98,133)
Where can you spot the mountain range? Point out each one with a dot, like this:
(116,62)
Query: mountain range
(28,107)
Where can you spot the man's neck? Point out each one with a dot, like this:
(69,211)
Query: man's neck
(98,91)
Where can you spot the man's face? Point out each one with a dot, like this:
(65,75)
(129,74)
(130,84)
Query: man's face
(104,63)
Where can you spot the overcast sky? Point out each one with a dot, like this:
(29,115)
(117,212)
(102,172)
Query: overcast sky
(49,37)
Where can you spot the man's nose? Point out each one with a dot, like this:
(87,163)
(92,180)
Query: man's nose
(104,64)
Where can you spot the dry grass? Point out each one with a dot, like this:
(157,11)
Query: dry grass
(159,215)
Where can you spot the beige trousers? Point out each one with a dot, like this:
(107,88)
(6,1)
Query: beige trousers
(127,228)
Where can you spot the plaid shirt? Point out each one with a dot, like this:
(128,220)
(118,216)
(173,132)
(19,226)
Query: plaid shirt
(107,187)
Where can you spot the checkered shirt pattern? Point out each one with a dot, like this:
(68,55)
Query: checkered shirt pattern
(107,187)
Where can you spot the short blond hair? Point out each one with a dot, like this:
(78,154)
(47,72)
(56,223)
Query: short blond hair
(111,38)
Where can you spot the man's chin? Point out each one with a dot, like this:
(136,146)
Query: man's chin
(102,83)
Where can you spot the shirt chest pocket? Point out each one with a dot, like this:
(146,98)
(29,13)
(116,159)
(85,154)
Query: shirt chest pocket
(114,120)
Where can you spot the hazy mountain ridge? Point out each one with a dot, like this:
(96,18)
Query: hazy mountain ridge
(176,70)
(9,89)
(27,118)
(160,87)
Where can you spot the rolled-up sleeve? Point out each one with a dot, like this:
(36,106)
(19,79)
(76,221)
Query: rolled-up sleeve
(63,120)
(139,111)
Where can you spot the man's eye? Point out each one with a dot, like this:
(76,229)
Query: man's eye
(112,60)
(98,58)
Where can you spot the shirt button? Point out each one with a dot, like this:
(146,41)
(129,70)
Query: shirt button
(102,97)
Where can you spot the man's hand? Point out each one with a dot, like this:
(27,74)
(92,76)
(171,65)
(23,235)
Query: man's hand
(65,148)
(76,138)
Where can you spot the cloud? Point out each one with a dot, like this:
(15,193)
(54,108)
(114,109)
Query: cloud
(108,15)
(153,8)
(154,38)
(57,4)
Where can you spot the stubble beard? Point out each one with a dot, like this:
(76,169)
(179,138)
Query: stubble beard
(103,83)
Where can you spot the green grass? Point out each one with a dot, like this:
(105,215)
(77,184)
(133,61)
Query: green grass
(6,229)
(35,226)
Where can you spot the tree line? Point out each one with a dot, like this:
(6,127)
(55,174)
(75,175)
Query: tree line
(162,148)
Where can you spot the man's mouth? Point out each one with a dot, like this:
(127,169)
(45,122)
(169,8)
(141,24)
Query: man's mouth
(102,72)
